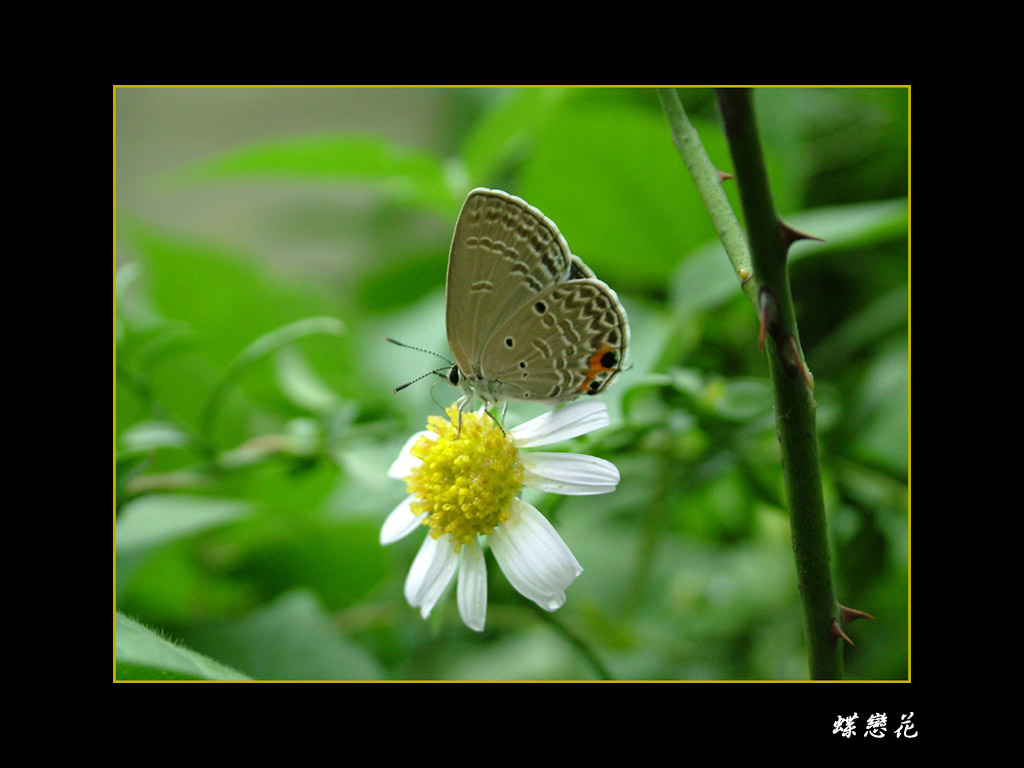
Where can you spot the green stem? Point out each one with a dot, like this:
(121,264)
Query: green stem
(709,184)
(576,641)
(794,404)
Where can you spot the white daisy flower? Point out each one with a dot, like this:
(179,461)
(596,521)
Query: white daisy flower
(465,485)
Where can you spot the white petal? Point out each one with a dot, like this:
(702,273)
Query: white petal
(533,556)
(569,473)
(555,601)
(403,465)
(472,590)
(562,424)
(430,573)
(400,523)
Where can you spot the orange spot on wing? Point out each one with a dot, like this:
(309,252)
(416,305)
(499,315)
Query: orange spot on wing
(595,366)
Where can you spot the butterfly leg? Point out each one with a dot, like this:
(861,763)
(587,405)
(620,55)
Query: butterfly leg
(494,418)
(462,403)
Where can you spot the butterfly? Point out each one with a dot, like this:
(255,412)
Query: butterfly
(526,319)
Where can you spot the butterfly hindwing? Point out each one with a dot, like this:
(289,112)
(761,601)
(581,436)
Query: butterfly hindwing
(570,340)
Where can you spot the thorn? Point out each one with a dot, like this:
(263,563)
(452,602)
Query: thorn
(788,348)
(837,632)
(849,614)
(788,235)
(724,175)
(798,363)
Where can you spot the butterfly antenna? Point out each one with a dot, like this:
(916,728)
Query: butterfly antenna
(436,371)
(418,349)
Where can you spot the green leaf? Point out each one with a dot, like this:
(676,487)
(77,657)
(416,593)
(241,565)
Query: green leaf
(743,400)
(612,181)
(126,276)
(220,294)
(155,520)
(850,226)
(860,331)
(881,412)
(408,175)
(152,435)
(340,562)
(293,638)
(508,130)
(301,384)
(225,301)
(142,654)
(264,345)
(703,280)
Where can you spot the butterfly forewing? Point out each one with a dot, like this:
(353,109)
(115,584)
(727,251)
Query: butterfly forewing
(503,253)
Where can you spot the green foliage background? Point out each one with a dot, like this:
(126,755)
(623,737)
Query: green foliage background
(269,239)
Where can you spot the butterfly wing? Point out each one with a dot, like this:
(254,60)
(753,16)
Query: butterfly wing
(504,252)
(578,270)
(570,339)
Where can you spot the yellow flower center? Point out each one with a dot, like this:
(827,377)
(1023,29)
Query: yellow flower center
(468,479)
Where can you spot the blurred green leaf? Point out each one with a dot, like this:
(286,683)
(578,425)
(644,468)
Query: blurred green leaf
(881,413)
(142,654)
(126,276)
(153,435)
(887,315)
(301,384)
(259,348)
(294,475)
(221,295)
(226,303)
(407,175)
(705,278)
(862,225)
(612,181)
(292,638)
(507,132)
(282,336)
(159,519)
(744,400)
(339,561)
(180,583)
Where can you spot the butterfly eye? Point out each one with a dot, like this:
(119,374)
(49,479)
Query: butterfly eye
(453,375)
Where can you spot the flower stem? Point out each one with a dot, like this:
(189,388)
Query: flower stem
(763,253)
(577,642)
